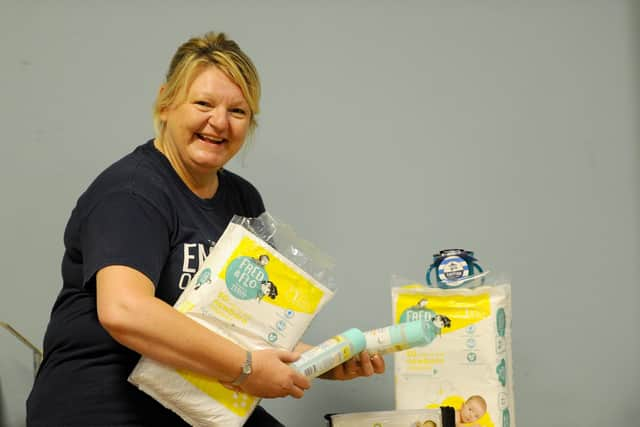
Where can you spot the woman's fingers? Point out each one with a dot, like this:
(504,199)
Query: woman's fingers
(297,392)
(377,362)
(351,367)
(301,381)
(368,365)
(287,356)
(365,364)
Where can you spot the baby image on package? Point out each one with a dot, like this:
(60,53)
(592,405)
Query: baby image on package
(469,368)
(252,294)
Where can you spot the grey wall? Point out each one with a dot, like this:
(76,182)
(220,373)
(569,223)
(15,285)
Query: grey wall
(389,130)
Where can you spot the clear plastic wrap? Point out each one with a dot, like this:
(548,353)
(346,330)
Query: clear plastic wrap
(302,253)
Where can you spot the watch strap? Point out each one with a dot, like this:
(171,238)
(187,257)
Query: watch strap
(246,370)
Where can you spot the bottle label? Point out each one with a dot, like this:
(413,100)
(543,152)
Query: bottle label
(380,341)
(323,357)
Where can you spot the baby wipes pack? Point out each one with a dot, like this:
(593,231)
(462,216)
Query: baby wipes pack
(260,287)
(469,367)
(440,417)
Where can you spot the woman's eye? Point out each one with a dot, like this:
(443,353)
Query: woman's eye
(238,112)
(203,103)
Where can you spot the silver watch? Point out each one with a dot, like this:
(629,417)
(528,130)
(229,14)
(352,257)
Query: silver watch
(246,370)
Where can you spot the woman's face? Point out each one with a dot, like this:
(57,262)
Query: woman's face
(209,127)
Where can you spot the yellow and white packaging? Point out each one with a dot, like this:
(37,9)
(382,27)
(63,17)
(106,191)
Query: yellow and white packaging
(250,293)
(403,418)
(472,358)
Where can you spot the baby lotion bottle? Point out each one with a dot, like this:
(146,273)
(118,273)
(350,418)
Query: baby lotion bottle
(331,353)
(401,336)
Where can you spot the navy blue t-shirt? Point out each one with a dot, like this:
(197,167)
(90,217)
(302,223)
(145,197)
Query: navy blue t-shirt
(138,213)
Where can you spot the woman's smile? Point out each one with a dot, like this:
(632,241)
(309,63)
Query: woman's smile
(210,139)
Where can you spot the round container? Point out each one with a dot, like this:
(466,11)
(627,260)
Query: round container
(400,337)
(331,353)
(451,268)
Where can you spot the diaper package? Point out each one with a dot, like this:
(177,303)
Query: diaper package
(260,287)
(469,367)
(440,417)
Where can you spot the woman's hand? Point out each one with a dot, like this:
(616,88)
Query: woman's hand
(271,376)
(361,365)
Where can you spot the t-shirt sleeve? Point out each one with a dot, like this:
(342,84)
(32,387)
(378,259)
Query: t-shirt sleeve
(251,201)
(125,229)
(255,203)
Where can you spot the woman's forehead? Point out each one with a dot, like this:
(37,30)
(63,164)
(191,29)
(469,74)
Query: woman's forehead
(212,81)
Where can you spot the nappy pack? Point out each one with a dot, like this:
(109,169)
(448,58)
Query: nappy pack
(260,287)
(469,367)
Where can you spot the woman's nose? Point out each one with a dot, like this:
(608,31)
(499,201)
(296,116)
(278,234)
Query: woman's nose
(218,118)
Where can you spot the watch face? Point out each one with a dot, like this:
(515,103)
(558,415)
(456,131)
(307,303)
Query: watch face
(246,368)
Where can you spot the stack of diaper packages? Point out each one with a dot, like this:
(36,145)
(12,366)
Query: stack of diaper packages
(260,287)
(469,366)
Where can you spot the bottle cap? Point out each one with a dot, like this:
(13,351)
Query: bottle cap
(357,339)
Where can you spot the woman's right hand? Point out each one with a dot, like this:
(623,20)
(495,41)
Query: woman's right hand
(271,376)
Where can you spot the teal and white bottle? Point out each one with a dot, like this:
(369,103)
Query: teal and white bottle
(401,336)
(331,353)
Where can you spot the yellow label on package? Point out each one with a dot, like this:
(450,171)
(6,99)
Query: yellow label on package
(254,272)
(238,403)
(462,310)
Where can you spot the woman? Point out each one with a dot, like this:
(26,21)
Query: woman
(133,241)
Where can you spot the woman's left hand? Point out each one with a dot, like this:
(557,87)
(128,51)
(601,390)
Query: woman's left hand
(361,365)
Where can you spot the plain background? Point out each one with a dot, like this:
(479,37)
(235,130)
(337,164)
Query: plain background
(389,130)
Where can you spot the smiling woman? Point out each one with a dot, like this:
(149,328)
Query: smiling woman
(201,134)
(129,245)
(206,109)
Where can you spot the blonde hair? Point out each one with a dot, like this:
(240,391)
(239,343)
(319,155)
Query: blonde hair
(197,53)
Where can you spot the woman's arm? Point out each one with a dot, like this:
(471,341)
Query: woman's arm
(133,316)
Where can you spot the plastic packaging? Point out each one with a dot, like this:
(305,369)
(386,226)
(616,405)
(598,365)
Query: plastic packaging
(260,287)
(405,335)
(331,353)
(471,364)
